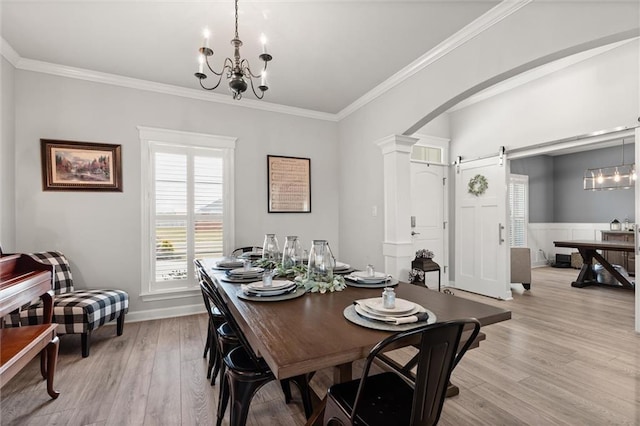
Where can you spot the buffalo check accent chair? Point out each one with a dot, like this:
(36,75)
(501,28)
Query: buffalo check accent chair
(75,311)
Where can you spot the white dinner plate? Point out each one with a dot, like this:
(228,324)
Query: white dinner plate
(365,276)
(361,284)
(248,292)
(241,272)
(275,285)
(402,307)
(341,266)
(368,280)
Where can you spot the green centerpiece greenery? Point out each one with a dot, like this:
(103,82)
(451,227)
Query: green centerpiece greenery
(315,284)
(321,284)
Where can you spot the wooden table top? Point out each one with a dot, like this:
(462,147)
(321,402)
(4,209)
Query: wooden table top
(597,245)
(309,333)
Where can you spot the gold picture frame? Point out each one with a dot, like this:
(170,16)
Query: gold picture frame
(289,184)
(80,166)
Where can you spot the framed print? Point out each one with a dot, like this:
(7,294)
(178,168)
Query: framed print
(289,180)
(80,166)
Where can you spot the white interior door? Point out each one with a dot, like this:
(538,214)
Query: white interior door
(428,203)
(482,248)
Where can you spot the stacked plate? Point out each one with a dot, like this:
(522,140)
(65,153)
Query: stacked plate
(229,264)
(242,275)
(341,268)
(403,312)
(251,255)
(362,279)
(276,288)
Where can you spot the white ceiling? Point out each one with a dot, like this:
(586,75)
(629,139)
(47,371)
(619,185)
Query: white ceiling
(326,54)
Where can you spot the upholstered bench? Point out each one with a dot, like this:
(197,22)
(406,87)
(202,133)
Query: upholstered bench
(75,311)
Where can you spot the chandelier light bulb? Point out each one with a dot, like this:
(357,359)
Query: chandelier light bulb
(600,178)
(201,64)
(263,40)
(616,176)
(206,34)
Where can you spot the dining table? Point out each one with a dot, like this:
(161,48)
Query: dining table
(309,333)
(588,250)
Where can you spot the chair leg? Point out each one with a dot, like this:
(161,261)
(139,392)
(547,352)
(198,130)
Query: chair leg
(120,326)
(208,342)
(241,392)
(223,399)
(84,340)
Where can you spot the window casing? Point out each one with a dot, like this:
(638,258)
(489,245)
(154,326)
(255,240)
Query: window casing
(188,207)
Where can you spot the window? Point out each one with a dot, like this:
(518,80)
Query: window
(429,154)
(518,210)
(188,206)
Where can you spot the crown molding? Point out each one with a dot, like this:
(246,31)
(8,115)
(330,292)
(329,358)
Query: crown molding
(9,54)
(536,73)
(150,86)
(473,29)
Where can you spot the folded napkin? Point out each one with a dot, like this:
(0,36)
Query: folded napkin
(417,317)
(368,279)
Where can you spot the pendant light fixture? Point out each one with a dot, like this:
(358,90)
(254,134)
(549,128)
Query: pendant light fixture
(622,176)
(237,70)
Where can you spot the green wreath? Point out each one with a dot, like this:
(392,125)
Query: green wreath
(477,185)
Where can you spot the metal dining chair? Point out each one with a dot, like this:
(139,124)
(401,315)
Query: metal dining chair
(399,397)
(242,372)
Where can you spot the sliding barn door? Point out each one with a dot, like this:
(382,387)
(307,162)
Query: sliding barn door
(482,243)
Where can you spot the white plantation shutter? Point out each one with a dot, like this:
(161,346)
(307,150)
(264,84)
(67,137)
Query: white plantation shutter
(518,210)
(187,199)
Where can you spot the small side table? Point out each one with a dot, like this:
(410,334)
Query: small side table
(426,265)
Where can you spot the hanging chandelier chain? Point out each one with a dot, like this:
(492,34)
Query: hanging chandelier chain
(237,19)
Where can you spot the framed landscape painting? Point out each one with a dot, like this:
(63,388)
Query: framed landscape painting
(80,166)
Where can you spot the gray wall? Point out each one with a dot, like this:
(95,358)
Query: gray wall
(540,172)
(7,159)
(101,232)
(556,191)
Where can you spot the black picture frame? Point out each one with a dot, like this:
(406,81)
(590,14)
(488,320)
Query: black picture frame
(288,184)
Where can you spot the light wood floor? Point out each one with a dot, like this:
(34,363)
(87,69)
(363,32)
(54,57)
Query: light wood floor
(568,357)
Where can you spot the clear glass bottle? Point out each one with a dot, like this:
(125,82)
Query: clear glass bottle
(388,298)
(321,262)
(270,248)
(292,253)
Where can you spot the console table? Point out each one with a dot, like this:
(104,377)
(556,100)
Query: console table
(23,279)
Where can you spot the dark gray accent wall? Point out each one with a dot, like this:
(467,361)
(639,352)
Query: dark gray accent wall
(540,172)
(556,191)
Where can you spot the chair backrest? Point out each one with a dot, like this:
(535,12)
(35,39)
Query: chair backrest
(63,282)
(210,290)
(438,355)
(240,250)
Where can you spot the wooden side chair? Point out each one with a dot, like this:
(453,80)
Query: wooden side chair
(399,397)
(75,311)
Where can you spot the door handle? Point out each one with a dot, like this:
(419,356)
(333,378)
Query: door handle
(414,233)
(500,239)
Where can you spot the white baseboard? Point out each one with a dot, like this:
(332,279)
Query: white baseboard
(153,314)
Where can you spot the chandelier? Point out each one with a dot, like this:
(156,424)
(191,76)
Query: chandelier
(237,70)
(622,176)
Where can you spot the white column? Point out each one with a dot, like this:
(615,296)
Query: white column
(397,247)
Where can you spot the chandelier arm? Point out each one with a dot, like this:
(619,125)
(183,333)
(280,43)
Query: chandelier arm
(214,87)
(206,58)
(245,66)
(253,89)
(228,65)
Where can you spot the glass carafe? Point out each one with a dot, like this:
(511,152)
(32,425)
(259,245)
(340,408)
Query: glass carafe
(321,262)
(270,248)
(292,253)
